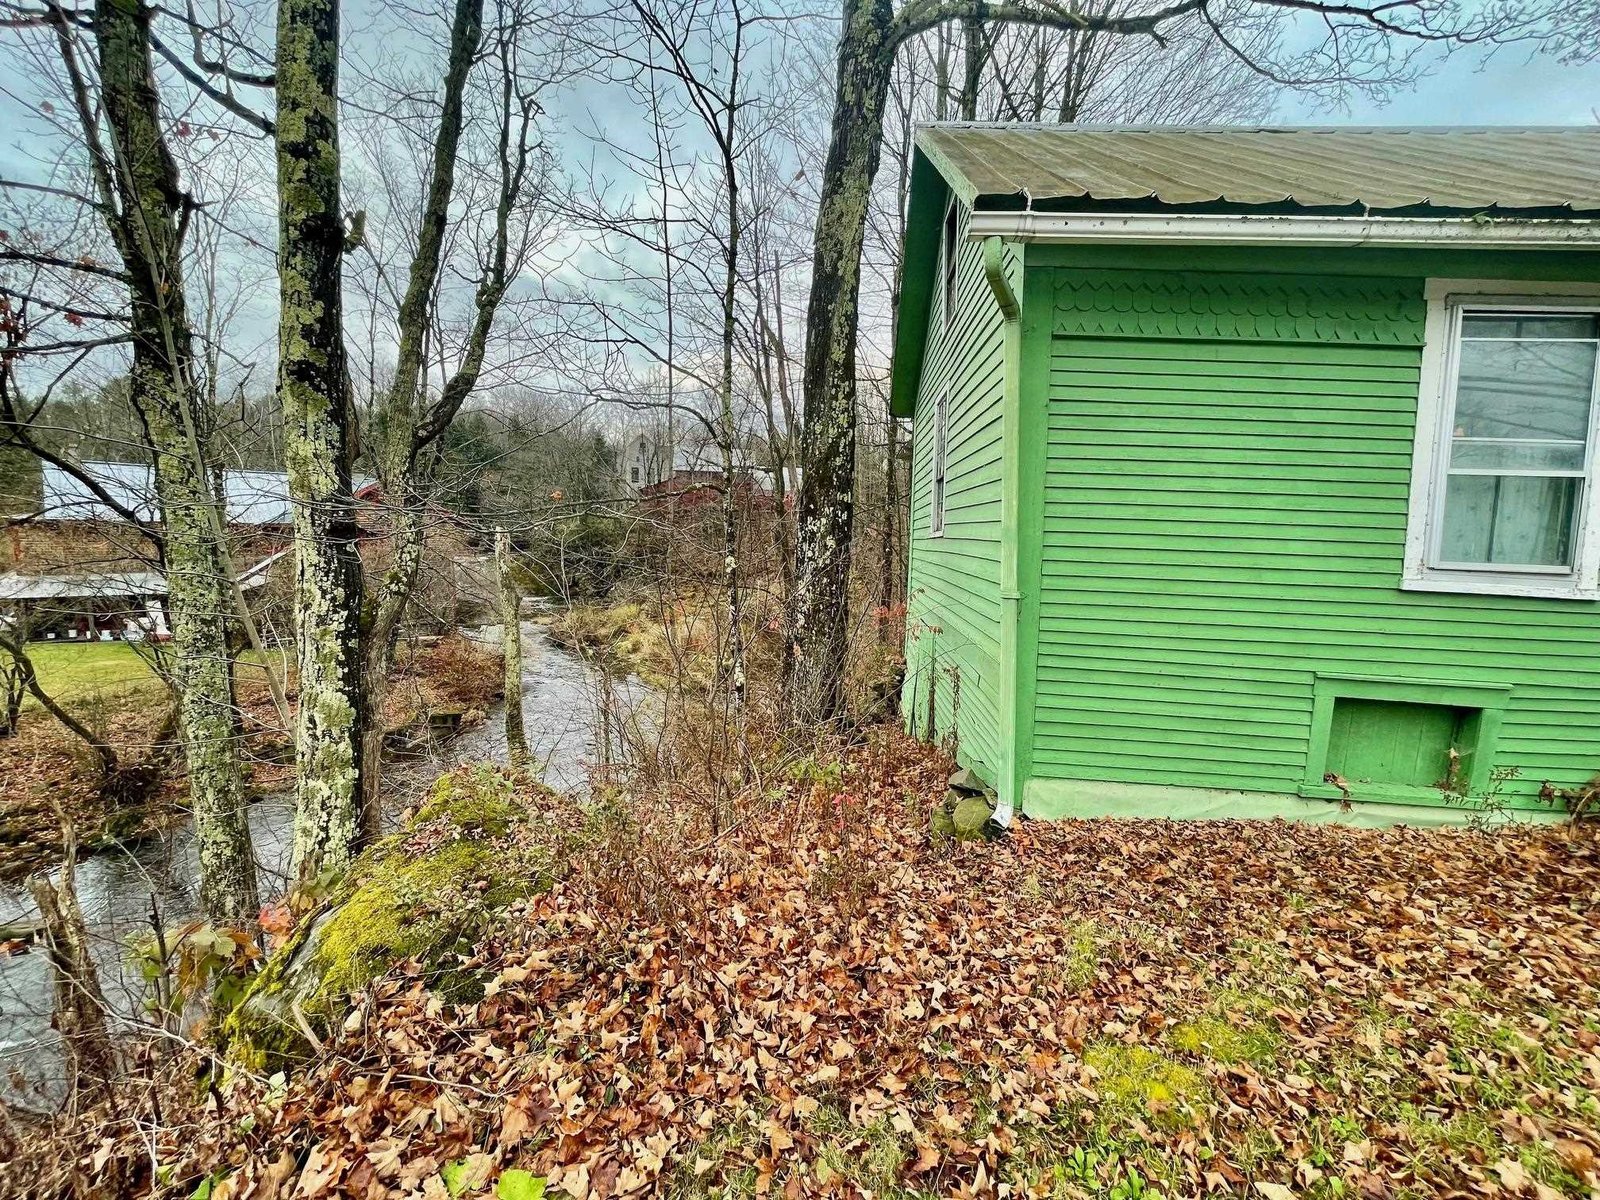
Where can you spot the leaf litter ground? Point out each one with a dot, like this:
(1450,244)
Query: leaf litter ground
(838,1006)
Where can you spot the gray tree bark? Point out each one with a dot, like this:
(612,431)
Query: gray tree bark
(146,226)
(411,424)
(401,406)
(313,387)
(511,650)
(819,634)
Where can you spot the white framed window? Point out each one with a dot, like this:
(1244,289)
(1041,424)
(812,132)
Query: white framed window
(1504,491)
(941,434)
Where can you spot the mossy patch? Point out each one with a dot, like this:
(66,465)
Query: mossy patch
(1234,1029)
(427,894)
(1135,1080)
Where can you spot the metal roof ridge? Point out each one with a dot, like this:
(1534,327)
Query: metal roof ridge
(1087,127)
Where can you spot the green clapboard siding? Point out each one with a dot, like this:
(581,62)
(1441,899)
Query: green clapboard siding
(1391,742)
(953,619)
(1224,511)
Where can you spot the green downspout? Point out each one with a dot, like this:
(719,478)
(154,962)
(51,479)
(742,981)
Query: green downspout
(1007,785)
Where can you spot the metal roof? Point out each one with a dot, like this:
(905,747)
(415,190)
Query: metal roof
(112,584)
(254,497)
(64,498)
(1315,167)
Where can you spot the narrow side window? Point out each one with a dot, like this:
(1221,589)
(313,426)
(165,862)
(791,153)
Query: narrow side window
(941,420)
(950,262)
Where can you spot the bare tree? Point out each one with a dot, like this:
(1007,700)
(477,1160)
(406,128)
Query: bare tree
(410,417)
(314,389)
(135,190)
(511,648)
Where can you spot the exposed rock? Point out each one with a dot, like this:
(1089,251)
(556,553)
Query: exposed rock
(971,818)
(966,781)
(425,894)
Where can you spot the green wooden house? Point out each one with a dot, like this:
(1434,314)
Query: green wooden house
(1254,470)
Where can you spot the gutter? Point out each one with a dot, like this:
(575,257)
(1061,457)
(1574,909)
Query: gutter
(1007,785)
(1213,229)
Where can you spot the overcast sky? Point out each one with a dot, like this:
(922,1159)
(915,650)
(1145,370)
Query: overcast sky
(1511,88)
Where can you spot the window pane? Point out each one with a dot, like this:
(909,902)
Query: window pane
(1525,390)
(1515,520)
(1488,454)
(1528,325)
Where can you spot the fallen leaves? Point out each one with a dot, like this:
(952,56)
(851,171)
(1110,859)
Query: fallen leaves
(1270,1010)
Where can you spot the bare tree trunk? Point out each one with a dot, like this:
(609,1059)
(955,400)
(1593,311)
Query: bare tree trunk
(79,1007)
(147,227)
(976,45)
(889,562)
(377,660)
(402,406)
(728,432)
(313,387)
(891,519)
(819,632)
(14,688)
(511,650)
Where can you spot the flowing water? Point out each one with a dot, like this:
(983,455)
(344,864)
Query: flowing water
(561,699)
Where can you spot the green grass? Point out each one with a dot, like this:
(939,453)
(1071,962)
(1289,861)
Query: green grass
(72,672)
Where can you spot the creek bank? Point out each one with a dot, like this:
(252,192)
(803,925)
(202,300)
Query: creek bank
(423,896)
(118,889)
(43,766)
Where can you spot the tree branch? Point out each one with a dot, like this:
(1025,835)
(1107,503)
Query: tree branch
(922,15)
(54,260)
(243,111)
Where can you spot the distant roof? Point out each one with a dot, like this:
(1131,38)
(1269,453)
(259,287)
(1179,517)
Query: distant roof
(1369,168)
(113,584)
(64,498)
(254,497)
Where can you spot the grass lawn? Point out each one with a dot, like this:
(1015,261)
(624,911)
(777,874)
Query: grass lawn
(72,672)
(75,672)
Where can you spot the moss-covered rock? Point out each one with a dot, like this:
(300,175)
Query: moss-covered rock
(426,894)
(971,818)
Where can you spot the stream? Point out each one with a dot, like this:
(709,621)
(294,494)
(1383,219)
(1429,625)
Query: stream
(116,889)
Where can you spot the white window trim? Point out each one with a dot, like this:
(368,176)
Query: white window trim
(1429,453)
(949,263)
(939,479)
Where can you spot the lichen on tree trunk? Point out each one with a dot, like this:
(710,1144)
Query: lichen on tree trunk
(819,623)
(313,387)
(146,225)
